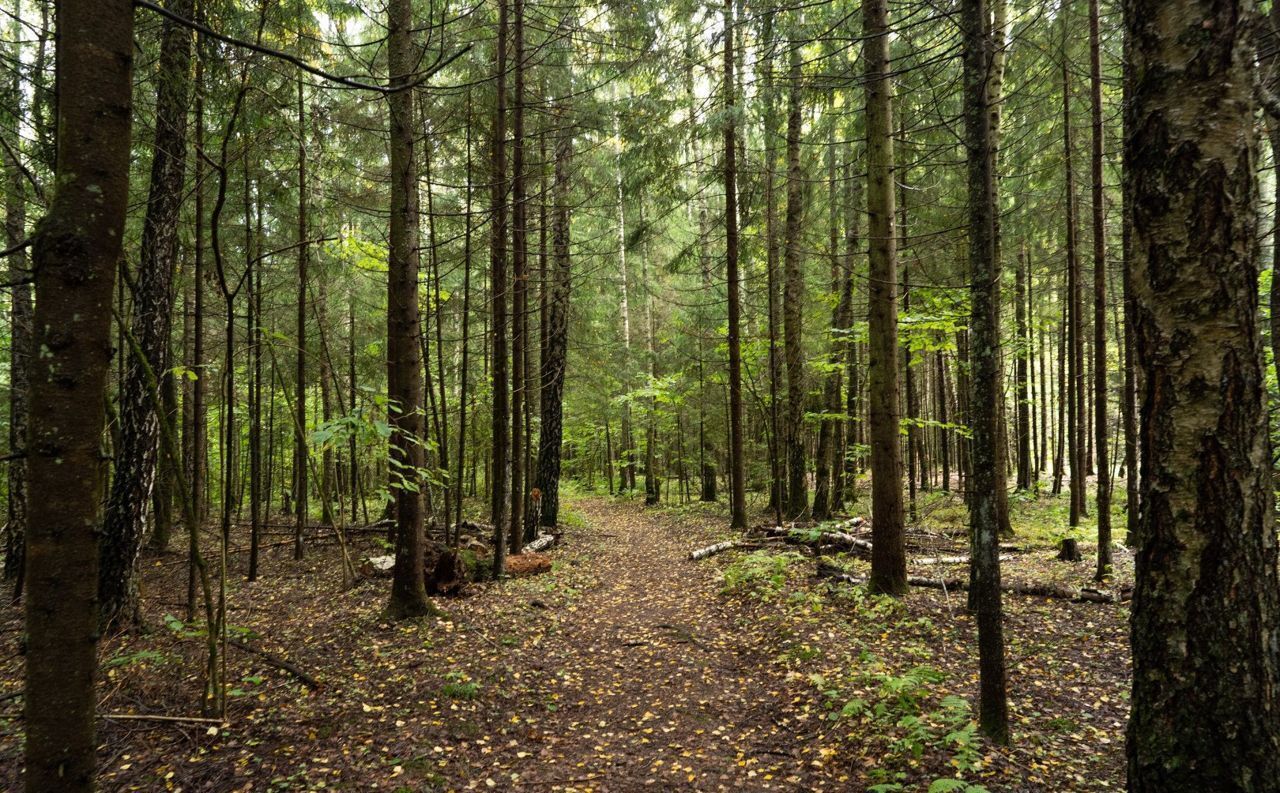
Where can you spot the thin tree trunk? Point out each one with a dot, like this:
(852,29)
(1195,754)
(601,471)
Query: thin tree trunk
(1099,306)
(737,465)
(792,305)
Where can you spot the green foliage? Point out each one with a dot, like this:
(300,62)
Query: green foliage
(459,686)
(760,574)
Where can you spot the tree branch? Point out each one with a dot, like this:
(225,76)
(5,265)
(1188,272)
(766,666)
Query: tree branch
(347,82)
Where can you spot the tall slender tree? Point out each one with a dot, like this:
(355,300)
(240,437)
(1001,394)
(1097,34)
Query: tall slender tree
(737,465)
(984,355)
(404,364)
(888,556)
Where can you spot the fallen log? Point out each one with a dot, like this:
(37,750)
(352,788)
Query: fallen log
(1082,595)
(839,539)
(712,550)
(542,543)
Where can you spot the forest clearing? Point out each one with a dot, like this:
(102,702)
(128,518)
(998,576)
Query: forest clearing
(435,395)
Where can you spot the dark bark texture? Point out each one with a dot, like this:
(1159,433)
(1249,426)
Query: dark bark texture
(124,526)
(76,253)
(1206,608)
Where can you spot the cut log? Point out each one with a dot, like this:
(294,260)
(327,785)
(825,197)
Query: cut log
(377,566)
(542,543)
(712,550)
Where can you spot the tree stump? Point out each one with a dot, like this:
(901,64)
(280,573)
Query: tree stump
(1069,551)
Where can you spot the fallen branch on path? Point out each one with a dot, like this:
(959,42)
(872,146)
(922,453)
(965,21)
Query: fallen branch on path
(277,662)
(1082,595)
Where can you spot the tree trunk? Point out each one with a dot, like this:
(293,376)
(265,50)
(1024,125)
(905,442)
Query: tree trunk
(889,559)
(737,465)
(300,373)
(76,256)
(1206,609)
(500,452)
(520,292)
(984,410)
(404,366)
(124,525)
(793,303)
(1099,306)
(15,226)
(1022,351)
(557,320)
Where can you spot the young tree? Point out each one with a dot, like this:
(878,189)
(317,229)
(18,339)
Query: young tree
(77,251)
(1206,607)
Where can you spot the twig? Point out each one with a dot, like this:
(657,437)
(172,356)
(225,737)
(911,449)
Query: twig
(161,717)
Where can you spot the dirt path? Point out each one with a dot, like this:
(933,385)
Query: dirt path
(655,680)
(623,669)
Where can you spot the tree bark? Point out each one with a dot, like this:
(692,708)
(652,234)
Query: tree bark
(889,560)
(76,255)
(555,352)
(984,413)
(500,418)
(124,525)
(737,465)
(1099,305)
(1206,610)
(792,304)
(404,366)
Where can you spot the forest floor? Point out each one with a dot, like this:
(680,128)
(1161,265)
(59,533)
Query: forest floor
(627,667)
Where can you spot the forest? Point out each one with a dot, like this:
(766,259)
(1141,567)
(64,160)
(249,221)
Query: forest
(435,395)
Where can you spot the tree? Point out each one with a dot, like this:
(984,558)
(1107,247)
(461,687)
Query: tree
(737,465)
(1100,419)
(792,304)
(77,249)
(888,557)
(404,374)
(988,474)
(124,526)
(556,350)
(1206,608)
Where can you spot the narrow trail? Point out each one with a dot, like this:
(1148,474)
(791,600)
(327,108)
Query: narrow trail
(656,679)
